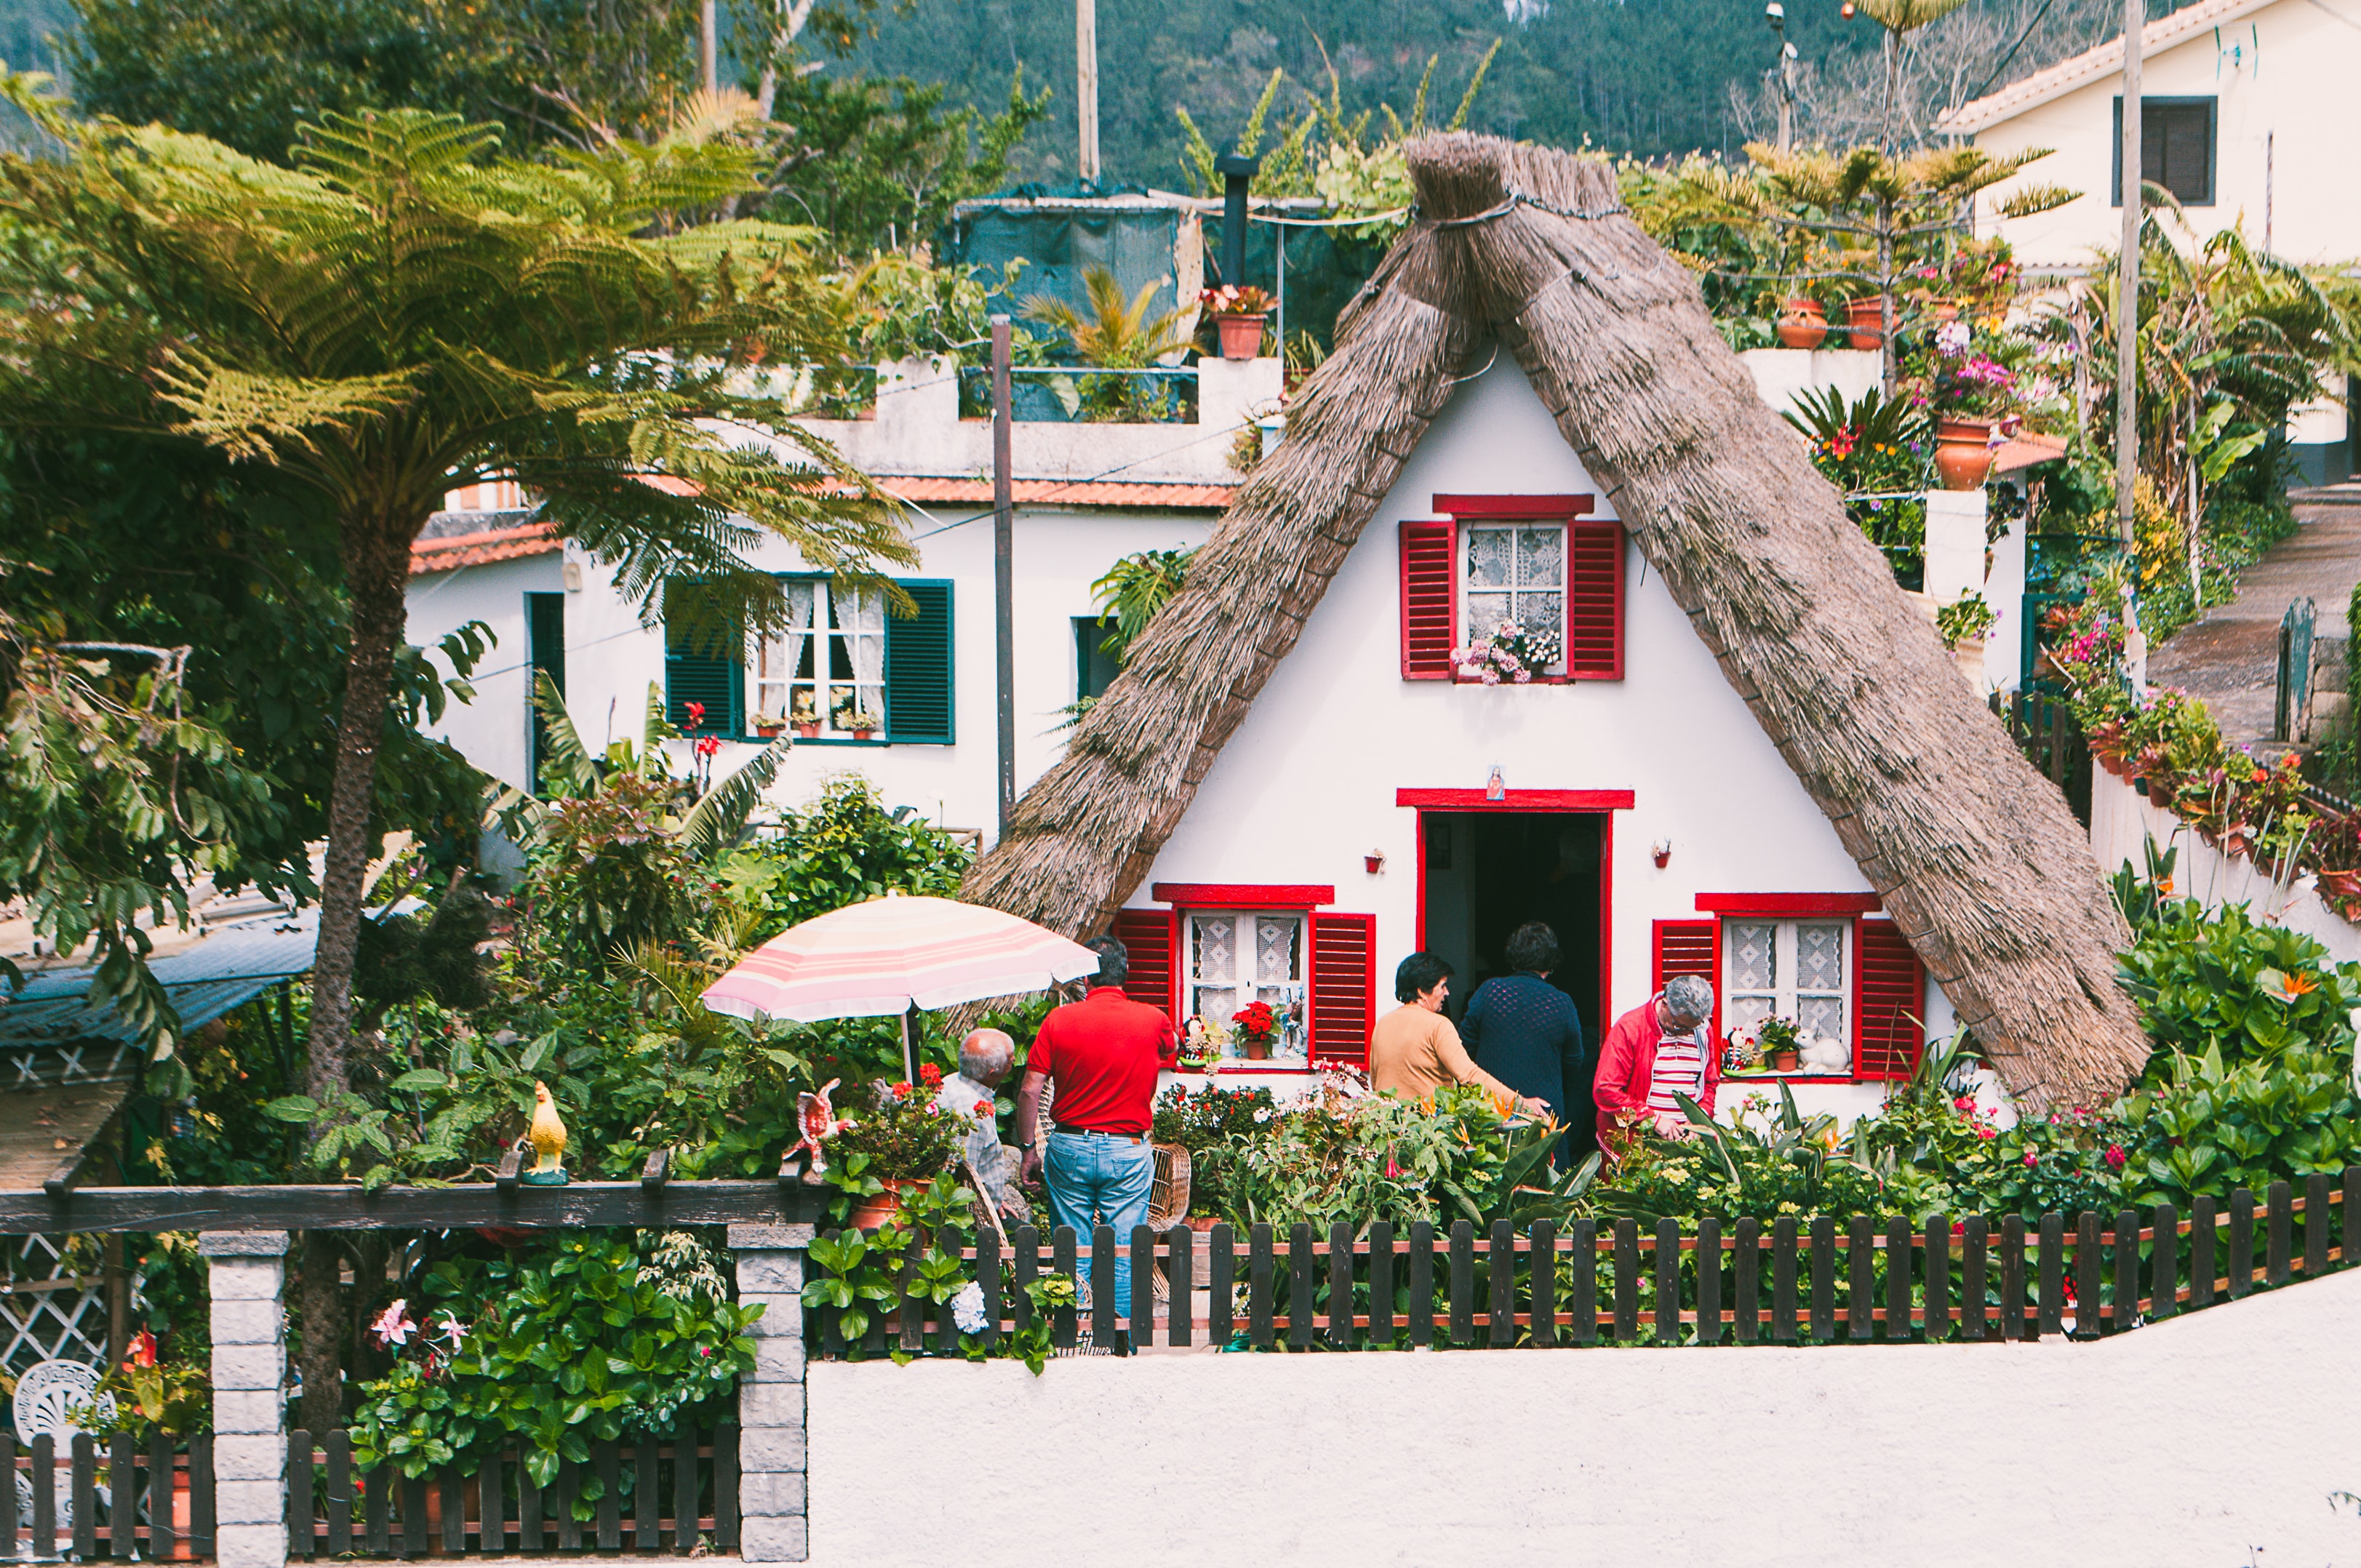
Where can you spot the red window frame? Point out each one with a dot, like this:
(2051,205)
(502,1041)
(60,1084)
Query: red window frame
(1429,568)
(1333,943)
(1877,980)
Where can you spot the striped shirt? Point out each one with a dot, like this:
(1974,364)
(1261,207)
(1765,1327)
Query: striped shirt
(1679,1070)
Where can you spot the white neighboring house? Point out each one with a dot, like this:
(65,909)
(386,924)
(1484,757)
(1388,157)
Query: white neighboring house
(1087,495)
(2247,115)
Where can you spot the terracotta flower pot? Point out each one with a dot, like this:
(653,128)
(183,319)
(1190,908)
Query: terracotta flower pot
(2159,792)
(1866,321)
(1784,1061)
(871,1213)
(1241,336)
(1257,1048)
(1963,452)
(808,731)
(1944,310)
(1803,324)
(862,734)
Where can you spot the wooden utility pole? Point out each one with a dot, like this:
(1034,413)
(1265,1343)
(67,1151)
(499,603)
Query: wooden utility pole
(1004,568)
(1086,85)
(2127,283)
(708,40)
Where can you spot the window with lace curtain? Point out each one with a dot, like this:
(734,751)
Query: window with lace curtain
(1793,969)
(1515,573)
(1235,958)
(827,668)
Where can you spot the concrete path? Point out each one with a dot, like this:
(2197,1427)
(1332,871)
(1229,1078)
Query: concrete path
(2229,656)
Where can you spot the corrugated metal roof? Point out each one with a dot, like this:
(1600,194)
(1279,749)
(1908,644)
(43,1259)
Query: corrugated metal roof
(268,949)
(30,1022)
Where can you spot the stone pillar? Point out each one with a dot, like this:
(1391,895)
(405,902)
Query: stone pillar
(771,1448)
(249,1331)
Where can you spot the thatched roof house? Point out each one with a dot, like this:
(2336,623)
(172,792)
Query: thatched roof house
(1525,254)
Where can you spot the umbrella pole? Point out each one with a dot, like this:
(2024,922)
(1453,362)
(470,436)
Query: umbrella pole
(909,1050)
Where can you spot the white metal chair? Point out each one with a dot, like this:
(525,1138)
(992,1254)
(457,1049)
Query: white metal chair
(44,1396)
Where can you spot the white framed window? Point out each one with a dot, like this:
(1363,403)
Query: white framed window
(1792,968)
(1513,572)
(827,670)
(1236,956)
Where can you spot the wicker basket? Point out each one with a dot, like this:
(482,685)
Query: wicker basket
(1167,1200)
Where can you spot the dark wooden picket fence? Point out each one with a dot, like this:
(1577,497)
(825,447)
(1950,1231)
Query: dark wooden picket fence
(1620,1283)
(640,1496)
(157,1505)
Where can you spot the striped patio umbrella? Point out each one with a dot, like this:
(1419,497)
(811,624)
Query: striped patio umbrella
(894,955)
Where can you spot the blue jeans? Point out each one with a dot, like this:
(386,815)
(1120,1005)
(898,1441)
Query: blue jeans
(1095,1181)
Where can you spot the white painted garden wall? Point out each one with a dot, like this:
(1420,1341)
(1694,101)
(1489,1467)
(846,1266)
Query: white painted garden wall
(2196,1442)
(2123,822)
(1305,789)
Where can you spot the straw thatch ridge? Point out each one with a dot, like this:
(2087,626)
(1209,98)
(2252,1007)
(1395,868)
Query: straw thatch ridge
(1973,853)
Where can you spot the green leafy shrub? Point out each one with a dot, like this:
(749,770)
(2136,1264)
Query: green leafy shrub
(2225,983)
(2211,1126)
(586,1338)
(1767,1162)
(843,848)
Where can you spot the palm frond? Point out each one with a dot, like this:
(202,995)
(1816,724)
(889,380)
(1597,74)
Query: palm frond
(716,821)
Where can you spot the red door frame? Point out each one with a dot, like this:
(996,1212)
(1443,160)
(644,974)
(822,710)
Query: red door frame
(1600,802)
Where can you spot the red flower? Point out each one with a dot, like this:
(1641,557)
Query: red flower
(2115,1156)
(708,745)
(143,1350)
(2032,1159)
(901,1091)
(930,1075)
(696,715)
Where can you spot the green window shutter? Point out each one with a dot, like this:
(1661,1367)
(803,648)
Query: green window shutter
(716,680)
(918,668)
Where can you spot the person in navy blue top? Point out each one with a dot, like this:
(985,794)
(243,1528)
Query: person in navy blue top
(1528,1034)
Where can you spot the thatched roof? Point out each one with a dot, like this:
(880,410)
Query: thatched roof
(1974,855)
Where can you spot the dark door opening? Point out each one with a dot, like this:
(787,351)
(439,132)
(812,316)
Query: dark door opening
(1487,872)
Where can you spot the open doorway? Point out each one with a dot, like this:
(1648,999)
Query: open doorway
(1487,872)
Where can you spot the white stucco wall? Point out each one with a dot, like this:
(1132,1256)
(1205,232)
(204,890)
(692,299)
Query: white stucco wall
(2288,122)
(1306,787)
(2123,823)
(2207,1440)
(611,657)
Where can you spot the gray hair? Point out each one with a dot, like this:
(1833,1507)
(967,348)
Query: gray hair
(1689,996)
(986,1052)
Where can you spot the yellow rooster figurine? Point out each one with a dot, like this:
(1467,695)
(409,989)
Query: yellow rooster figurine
(547,1136)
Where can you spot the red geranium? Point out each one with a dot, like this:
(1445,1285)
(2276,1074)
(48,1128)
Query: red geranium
(1255,1019)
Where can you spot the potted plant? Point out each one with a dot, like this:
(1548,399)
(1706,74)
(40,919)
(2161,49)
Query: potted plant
(804,716)
(1781,1040)
(1238,315)
(769,725)
(1963,624)
(1974,395)
(1255,1025)
(1802,323)
(902,1139)
(860,720)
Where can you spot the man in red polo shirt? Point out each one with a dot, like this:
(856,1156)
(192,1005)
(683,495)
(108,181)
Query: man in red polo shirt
(1102,1053)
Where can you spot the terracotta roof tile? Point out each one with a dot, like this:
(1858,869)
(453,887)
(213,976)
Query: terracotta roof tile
(455,550)
(2091,65)
(922,491)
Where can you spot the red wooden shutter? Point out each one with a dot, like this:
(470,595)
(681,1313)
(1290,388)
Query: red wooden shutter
(1343,987)
(1691,947)
(1594,601)
(1430,600)
(1889,1002)
(1152,938)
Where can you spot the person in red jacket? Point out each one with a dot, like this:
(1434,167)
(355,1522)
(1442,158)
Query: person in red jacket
(1658,1051)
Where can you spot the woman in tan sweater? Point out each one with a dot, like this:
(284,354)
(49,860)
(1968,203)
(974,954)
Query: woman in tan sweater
(1414,1050)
